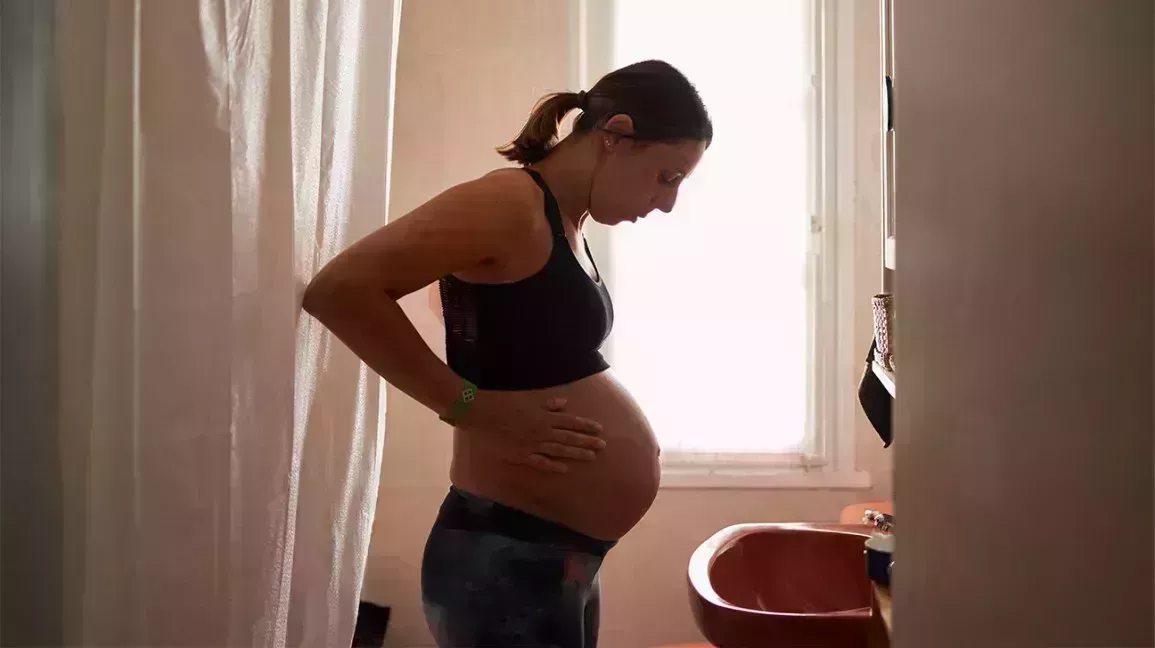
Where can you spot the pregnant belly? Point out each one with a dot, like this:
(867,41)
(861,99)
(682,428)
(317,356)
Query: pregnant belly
(603,498)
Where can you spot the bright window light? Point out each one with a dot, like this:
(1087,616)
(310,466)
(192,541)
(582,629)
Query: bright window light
(713,330)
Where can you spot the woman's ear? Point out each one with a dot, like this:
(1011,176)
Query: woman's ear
(619,125)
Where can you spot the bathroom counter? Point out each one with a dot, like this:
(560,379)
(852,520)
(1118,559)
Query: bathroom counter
(880,629)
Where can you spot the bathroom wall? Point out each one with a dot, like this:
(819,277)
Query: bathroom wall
(467,77)
(1025,208)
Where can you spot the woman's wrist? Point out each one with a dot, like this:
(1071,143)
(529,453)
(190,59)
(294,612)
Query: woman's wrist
(438,388)
(466,394)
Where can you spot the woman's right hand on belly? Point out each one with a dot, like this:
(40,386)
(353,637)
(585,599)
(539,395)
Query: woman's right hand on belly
(532,430)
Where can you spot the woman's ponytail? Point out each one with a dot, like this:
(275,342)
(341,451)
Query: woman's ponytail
(539,135)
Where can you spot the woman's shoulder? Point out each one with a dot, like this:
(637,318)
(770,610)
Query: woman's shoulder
(498,204)
(512,183)
(509,195)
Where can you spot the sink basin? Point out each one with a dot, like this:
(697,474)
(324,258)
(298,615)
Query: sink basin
(769,585)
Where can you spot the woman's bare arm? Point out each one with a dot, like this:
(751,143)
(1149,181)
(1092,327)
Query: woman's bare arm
(355,295)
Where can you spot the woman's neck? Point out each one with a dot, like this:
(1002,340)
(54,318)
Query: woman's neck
(568,171)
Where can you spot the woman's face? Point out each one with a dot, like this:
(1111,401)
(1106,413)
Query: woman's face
(633,178)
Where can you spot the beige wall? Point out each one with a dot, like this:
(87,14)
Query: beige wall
(1024,430)
(467,76)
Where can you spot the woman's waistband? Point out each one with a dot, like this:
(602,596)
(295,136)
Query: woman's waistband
(468,512)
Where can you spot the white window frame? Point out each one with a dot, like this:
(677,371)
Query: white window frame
(835,369)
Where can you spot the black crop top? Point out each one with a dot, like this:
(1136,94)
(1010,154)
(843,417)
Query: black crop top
(543,331)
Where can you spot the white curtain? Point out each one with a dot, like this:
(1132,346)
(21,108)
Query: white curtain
(219,452)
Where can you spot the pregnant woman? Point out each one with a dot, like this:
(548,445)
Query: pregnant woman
(553,461)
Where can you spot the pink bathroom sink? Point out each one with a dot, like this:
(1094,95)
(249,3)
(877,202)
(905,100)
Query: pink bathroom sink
(770,585)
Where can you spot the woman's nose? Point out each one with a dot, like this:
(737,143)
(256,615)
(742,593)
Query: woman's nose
(666,201)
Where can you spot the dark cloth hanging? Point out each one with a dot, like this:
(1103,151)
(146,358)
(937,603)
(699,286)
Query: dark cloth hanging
(876,401)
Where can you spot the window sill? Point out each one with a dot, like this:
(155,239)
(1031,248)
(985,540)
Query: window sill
(763,478)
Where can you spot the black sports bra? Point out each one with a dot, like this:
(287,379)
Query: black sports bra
(543,331)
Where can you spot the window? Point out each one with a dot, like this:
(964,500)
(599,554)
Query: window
(726,309)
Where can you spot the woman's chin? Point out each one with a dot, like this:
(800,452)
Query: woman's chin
(610,221)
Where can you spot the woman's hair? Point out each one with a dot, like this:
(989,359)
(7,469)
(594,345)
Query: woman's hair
(664,106)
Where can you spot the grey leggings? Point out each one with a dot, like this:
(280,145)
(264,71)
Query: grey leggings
(496,577)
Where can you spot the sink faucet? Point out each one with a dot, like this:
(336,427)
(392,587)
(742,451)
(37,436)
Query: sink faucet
(881,521)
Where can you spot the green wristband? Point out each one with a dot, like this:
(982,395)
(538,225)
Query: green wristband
(462,404)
